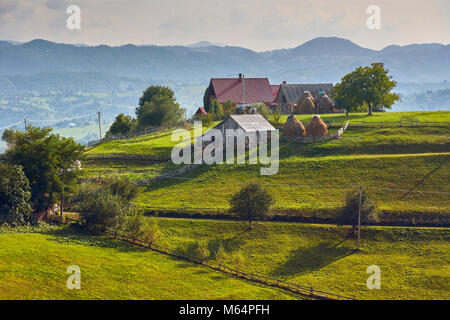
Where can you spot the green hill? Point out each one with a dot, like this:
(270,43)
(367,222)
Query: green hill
(33,266)
(406,168)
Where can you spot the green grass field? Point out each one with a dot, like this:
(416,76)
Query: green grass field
(33,266)
(414,262)
(312,178)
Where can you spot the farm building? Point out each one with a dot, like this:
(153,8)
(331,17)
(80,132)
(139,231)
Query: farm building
(249,123)
(289,94)
(200,112)
(245,92)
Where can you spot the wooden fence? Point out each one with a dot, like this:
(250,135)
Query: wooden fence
(145,133)
(125,156)
(307,291)
(389,124)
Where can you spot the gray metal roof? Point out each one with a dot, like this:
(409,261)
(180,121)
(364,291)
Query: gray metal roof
(292,92)
(252,122)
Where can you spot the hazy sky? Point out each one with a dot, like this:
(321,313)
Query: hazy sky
(255,24)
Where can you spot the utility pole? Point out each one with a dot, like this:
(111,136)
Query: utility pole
(99,126)
(62,194)
(25,122)
(359,217)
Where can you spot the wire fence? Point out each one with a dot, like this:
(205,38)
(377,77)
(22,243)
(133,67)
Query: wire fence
(307,291)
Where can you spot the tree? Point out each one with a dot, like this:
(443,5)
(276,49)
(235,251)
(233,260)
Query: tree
(229,107)
(263,110)
(150,232)
(160,111)
(349,214)
(15,195)
(277,116)
(366,86)
(50,162)
(152,92)
(252,202)
(122,125)
(101,209)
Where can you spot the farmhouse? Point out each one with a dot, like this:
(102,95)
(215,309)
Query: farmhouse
(245,92)
(200,112)
(289,94)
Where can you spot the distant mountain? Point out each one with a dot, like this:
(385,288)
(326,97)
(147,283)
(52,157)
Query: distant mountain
(44,78)
(205,44)
(317,60)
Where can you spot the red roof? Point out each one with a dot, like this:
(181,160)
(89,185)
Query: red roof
(201,110)
(256,90)
(275,88)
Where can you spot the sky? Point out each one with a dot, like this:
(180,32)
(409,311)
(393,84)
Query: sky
(259,25)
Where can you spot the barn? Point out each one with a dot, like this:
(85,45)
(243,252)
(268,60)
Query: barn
(289,94)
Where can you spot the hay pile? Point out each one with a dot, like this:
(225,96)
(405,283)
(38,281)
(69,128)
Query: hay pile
(324,104)
(316,127)
(305,104)
(293,128)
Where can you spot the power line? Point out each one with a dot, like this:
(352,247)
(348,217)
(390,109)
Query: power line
(48,121)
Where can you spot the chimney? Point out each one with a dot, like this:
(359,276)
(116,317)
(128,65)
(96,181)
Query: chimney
(240,76)
(284,82)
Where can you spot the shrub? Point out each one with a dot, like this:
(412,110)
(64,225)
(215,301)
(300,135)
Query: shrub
(238,260)
(349,214)
(150,232)
(100,208)
(221,255)
(123,188)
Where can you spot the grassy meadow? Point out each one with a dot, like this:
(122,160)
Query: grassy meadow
(312,178)
(33,265)
(414,262)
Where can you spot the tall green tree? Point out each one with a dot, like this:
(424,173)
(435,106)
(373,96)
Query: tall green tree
(160,111)
(368,87)
(15,195)
(251,203)
(152,92)
(50,162)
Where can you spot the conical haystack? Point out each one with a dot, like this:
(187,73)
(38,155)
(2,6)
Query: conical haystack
(316,127)
(293,128)
(325,104)
(306,106)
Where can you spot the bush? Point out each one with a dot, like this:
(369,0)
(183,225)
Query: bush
(349,214)
(15,196)
(238,260)
(221,255)
(150,232)
(197,250)
(123,189)
(100,208)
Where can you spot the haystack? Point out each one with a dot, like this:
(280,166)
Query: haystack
(293,128)
(306,106)
(325,104)
(316,127)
